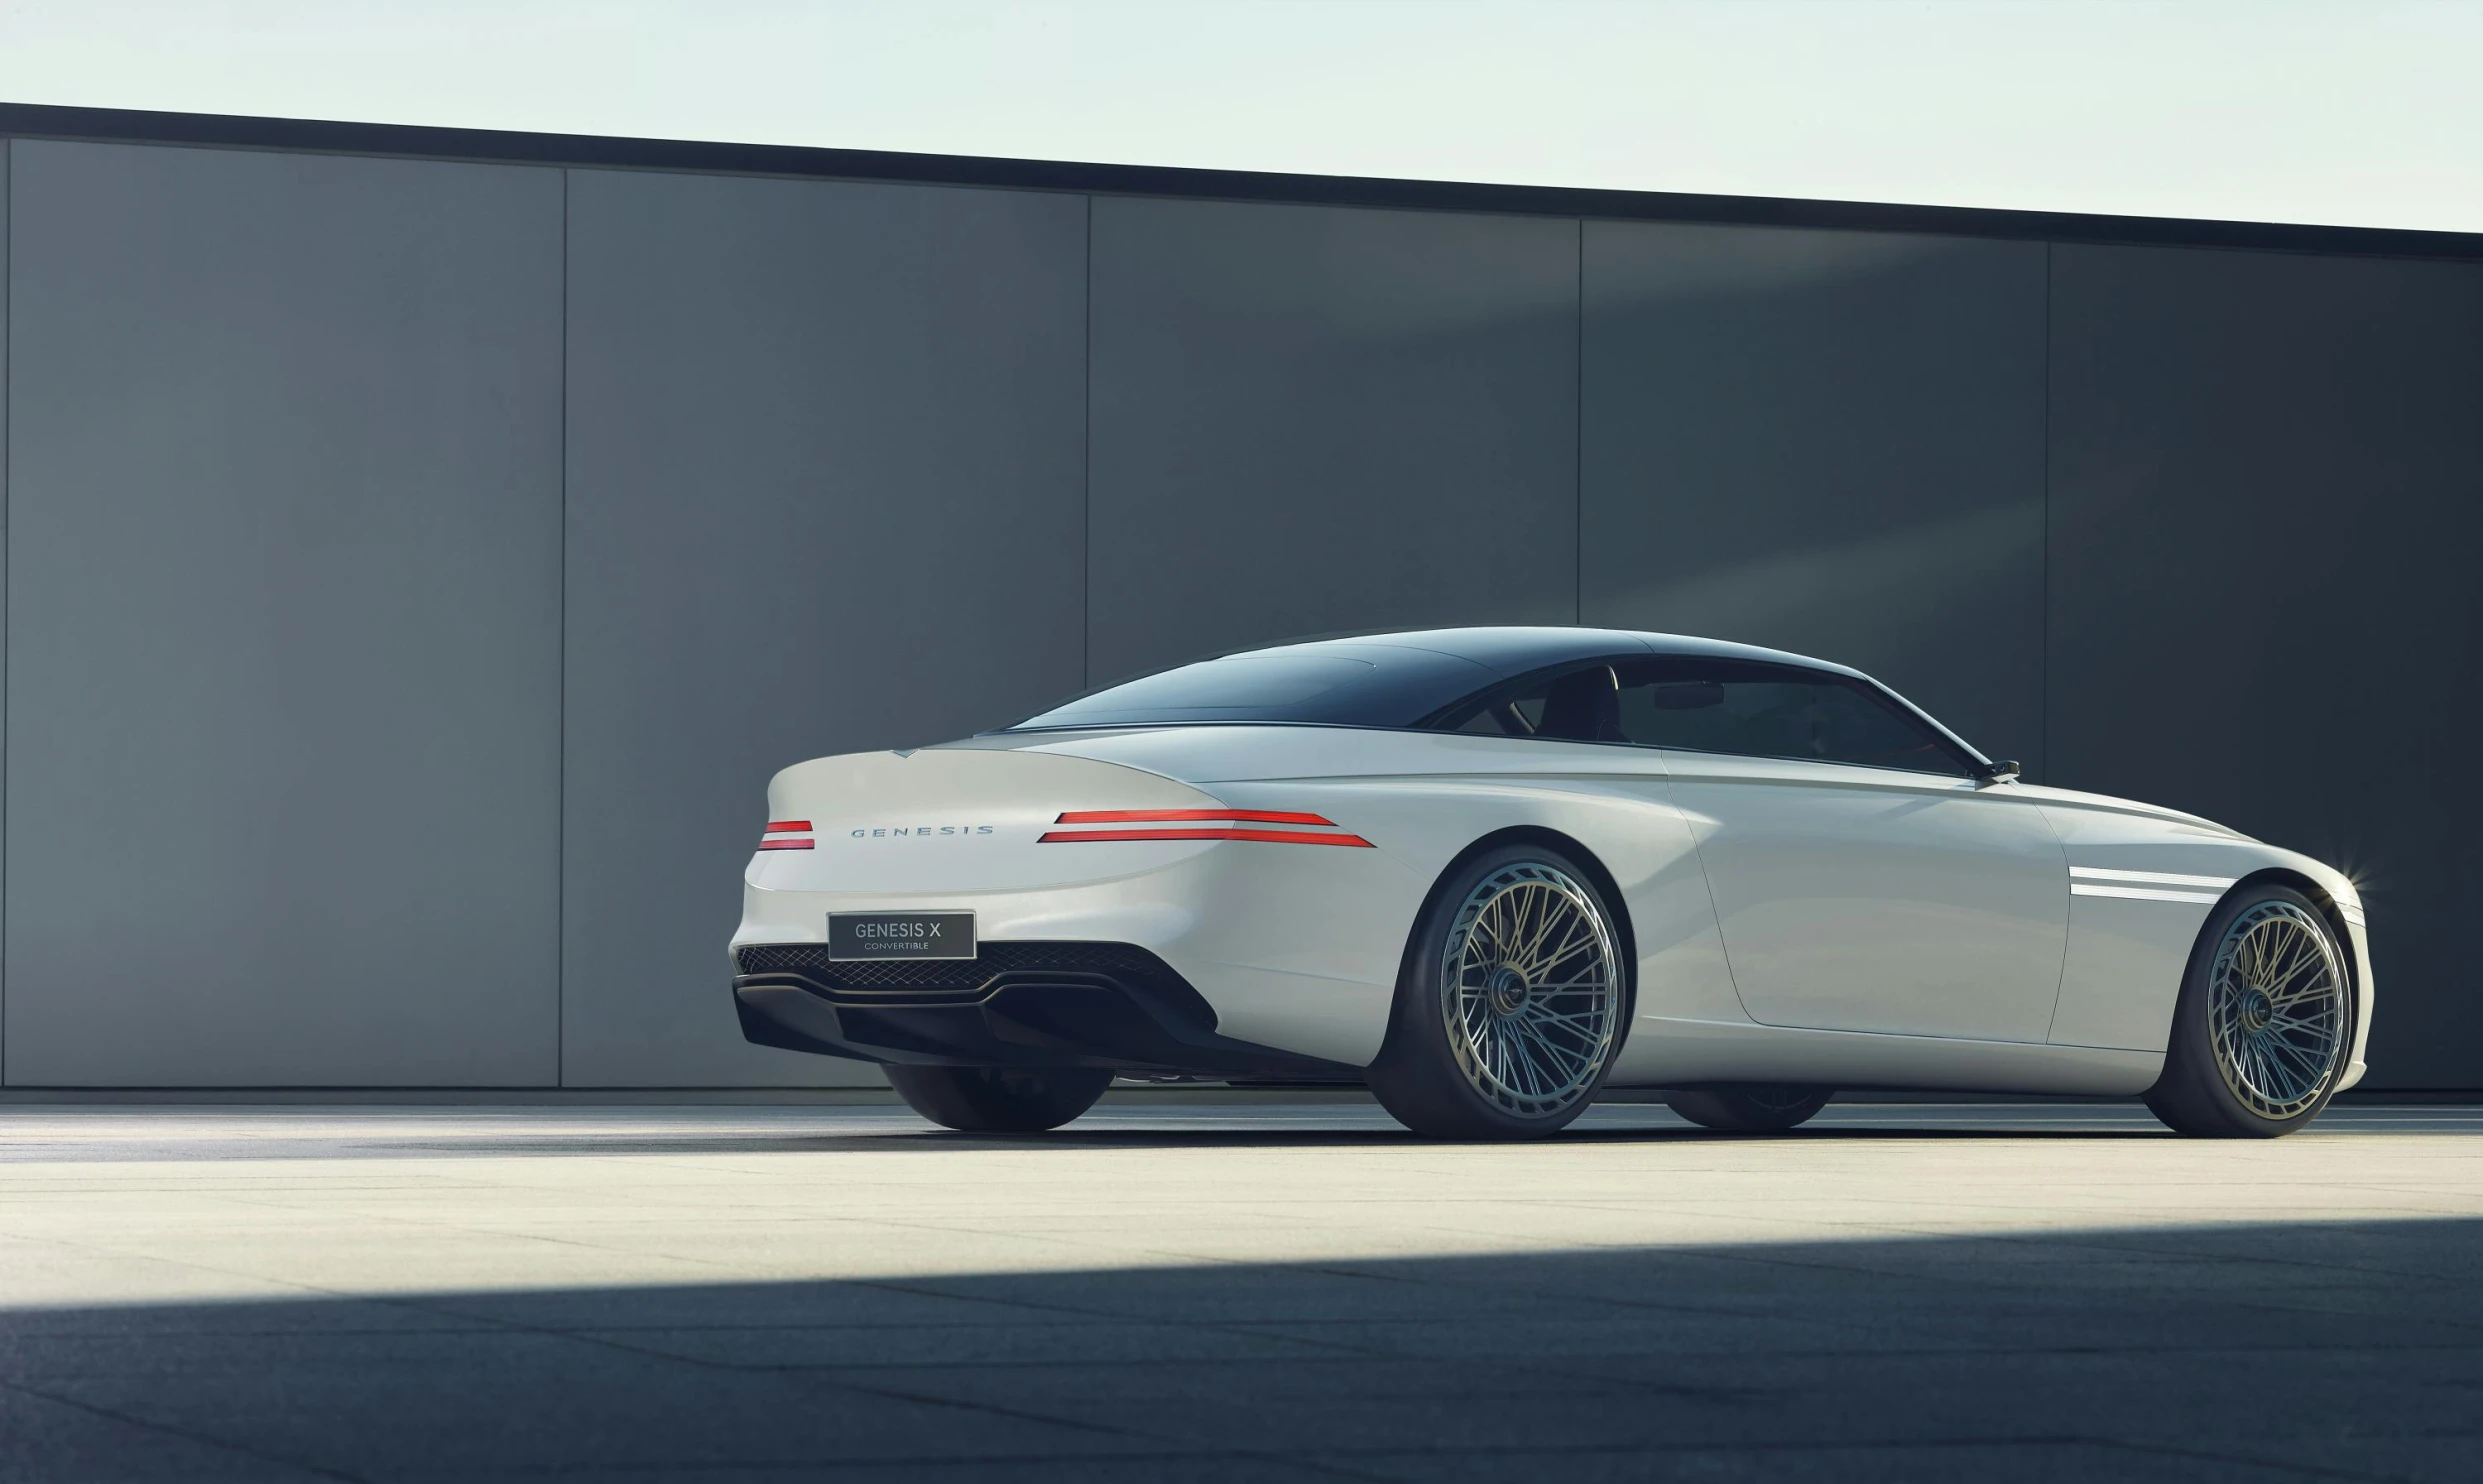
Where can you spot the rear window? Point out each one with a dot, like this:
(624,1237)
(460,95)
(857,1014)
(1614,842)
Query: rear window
(1251,687)
(1339,683)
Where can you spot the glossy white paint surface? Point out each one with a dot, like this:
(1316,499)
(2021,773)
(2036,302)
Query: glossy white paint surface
(2144,882)
(1868,899)
(1682,1051)
(877,820)
(1791,921)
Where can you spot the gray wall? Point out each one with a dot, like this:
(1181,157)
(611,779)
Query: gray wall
(826,469)
(1279,389)
(5,150)
(2267,505)
(284,617)
(1825,442)
(415,570)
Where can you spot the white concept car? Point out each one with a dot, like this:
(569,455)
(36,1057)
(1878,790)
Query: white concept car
(1491,872)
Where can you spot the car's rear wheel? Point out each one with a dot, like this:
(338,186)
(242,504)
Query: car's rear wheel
(1752,1109)
(999,1100)
(2264,1023)
(1512,1002)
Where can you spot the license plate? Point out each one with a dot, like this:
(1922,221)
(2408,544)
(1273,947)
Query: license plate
(853,935)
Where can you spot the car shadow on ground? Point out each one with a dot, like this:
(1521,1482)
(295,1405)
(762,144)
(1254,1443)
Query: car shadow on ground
(1077,1138)
(906,1135)
(916,1138)
(2342,1350)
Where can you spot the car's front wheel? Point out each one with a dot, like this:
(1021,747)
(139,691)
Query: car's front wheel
(999,1100)
(1512,1002)
(2264,1023)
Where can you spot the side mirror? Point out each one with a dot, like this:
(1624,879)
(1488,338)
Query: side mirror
(2003,770)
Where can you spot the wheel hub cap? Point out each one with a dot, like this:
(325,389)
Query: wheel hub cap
(2256,1011)
(1509,990)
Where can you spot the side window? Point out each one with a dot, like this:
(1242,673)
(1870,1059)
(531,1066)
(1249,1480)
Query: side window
(1759,710)
(1516,716)
(1581,705)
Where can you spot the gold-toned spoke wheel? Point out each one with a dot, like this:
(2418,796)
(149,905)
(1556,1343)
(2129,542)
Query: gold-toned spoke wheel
(1531,989)
(2276,1012)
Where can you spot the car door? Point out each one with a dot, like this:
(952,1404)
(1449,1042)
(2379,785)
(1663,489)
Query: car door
(1864,879)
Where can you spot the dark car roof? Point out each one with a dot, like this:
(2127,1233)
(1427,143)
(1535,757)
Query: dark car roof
(1514,649)
(1390,679)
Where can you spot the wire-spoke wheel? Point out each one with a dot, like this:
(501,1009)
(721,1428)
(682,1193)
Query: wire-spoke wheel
(2265,1022)
(1513,1002)
(1529,987)
(2276,1012)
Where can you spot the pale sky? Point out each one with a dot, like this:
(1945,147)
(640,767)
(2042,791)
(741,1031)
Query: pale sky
(2361,112)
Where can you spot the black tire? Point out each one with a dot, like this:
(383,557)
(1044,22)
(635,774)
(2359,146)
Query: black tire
(999,1100)
(1439,1081)
(2222,1078)
(1757,1108)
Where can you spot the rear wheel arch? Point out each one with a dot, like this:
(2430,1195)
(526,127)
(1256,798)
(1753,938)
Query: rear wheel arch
(1489,1067)
(1598,875)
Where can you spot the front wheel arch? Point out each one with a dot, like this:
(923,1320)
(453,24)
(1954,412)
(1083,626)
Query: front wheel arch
(2286,876)
(2186,1094)
(2320,897)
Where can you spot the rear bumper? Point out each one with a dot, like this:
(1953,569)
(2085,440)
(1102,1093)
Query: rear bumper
(1018,1003)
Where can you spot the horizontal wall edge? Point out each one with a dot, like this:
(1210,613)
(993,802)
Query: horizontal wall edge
(139,126)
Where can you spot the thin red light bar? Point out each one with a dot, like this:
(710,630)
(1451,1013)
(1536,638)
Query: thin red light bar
(1271,837)
(1134,816)
(785,843)
(789,827)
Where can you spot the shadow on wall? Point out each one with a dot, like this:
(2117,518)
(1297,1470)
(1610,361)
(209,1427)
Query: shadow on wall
(1308,419)
(1907,594)
(2312,1350)
(1824,442)
(1831,443)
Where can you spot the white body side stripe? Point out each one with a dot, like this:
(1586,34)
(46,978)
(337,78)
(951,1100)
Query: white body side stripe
(2150,878)
(2141,893)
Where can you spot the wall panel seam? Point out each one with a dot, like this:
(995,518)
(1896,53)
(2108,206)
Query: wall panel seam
(560,705)
(8,548)
(2043,664)
(1086,468)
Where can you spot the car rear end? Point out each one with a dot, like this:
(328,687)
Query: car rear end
(992,906)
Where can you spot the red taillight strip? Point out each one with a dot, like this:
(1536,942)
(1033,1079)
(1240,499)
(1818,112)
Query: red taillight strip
(784,845)
(789,827)
(1134,816)
(1271,837)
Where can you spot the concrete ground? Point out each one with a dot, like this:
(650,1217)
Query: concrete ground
(1192,1286)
